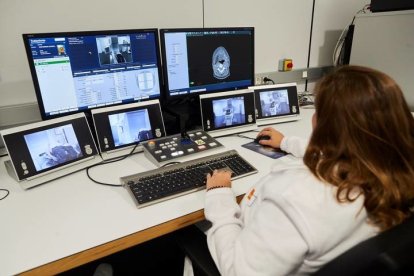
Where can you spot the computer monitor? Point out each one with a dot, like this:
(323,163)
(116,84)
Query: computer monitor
(276,103)
(205,60)
(42,151)
(79,71)
(120,128)
(228,112)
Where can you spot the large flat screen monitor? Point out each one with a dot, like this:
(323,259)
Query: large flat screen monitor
(79,71)
(207,60)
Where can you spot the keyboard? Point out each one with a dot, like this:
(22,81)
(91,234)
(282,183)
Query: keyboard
(164,183)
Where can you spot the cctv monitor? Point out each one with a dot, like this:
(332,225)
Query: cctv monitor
(40,152)
(205,60)
(228,112)
(79,71)
(121,128)
(276,103)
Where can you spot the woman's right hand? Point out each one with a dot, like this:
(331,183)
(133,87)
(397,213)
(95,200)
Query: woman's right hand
(275,137)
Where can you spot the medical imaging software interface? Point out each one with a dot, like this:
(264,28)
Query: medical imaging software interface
(80,72)
(203,61)
(274,102)
(130,127)
(229,112)
(52,147)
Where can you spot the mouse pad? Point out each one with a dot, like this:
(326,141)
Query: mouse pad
(268,151)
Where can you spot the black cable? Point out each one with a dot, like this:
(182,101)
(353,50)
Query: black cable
(242,136)
(170,163)
(108,161)
(266,79)
(203,13)
(6,195)
(310,42)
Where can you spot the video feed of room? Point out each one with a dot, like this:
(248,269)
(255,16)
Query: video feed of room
(49,148)
(274,102)
(229,112)
(130,127)
(114,49)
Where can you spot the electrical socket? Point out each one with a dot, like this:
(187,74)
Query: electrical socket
(304,74)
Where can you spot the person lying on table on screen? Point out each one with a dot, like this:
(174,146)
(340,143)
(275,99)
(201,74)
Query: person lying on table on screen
(353,180)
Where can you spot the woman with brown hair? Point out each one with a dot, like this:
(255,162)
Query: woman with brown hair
(352,180)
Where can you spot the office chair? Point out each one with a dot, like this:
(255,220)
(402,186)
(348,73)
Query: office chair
(389,253)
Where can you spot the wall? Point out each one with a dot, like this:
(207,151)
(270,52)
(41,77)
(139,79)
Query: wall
(282,29)
(385,41)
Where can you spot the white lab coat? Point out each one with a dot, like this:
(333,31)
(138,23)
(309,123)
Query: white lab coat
(291,224)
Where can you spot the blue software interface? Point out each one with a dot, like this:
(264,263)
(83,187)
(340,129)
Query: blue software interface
(81,71)
(207,60)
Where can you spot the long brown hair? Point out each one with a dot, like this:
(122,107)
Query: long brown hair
(363,142)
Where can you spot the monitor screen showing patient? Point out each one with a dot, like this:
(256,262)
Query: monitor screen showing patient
(79,71)
(229,112)
(130,127)
(274,102)
(52,147)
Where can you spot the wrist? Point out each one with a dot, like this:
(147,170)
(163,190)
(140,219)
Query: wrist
(216,187)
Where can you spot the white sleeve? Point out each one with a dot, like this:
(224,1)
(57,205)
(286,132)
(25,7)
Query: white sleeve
(269,245)
(294,145)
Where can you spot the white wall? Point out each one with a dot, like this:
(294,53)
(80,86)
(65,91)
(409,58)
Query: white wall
(282,28)
(330,18)
(385,41)
(28,16)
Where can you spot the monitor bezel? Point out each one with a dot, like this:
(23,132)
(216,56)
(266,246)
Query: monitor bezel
(28,36)
(21,131)
(207,99)
(294,113)
(167,96)
(102,127)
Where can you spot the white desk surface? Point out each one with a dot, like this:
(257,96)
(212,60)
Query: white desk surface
(72,214)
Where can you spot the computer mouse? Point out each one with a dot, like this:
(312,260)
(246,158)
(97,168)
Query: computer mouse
(262,137)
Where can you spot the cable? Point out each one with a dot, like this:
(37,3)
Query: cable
(170,163)
(340,43)
(108,161)
(305,99)
(242,136)
(310,41)
(266,79)
(6,195)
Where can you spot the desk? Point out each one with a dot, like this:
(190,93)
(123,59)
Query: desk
(72,221)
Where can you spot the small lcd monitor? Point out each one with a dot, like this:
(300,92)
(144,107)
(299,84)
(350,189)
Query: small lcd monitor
(205,60)
(79,71)
(46,150)
(228,112)
(276,103)
(120,128)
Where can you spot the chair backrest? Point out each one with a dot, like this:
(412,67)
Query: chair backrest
(389,253)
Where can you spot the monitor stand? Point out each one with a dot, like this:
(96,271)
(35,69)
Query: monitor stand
(185,114)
